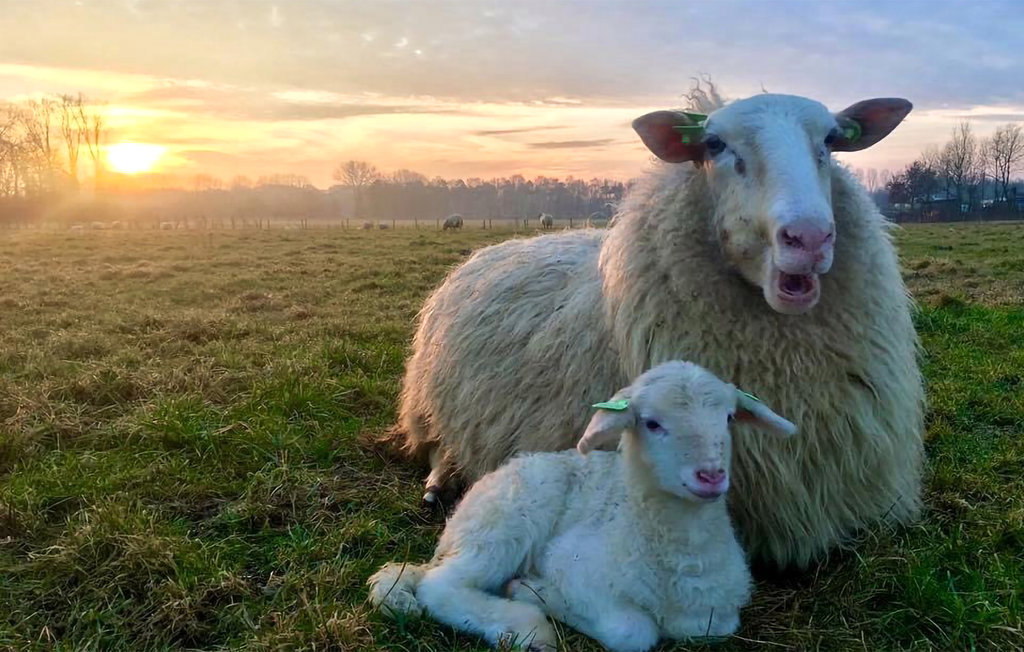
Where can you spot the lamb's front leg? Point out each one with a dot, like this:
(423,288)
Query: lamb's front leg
(619,627)
(703,622)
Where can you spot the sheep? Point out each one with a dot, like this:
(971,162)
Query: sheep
(628,546)
(546,221)
(453,221)
(784,279)
(77,229)
(117,224)
(166,226)
(597,219)
(367,226)
(98,226)
(383,226)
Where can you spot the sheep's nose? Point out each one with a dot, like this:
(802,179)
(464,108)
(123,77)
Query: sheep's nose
(805,245)
(710,477)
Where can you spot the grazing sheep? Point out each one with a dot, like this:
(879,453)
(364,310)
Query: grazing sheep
(452,222)
(627,547)
(98,226)
(597,219)
(77,229)
(546,221)
(367,226)
(117,224)
(765,262)
(166,226)
(383,226)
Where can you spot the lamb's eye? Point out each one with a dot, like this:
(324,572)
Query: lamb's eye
(831,138)
(714,144)
(652,425)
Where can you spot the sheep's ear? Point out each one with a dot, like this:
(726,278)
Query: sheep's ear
(659,133)
(750,408)
(869,121)
(611,418)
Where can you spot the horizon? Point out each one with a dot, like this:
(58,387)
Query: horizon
(463,90)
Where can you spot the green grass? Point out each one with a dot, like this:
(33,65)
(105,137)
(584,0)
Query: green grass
(180,467)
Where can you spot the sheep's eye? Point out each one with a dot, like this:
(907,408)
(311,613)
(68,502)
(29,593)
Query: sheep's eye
(831,138)
(731,418)
(714,144)
(652,425)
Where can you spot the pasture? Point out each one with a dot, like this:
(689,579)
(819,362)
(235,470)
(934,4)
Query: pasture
(180,466)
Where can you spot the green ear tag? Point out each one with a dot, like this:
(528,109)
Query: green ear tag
(691,134)
(748,395)
(851,130)
(618,406)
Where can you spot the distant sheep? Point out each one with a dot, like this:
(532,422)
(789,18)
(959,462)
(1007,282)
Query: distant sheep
(453,221)
(77,229)
(166,226)
(117,224)
(98,226)
(546,221)
(367,226)
(383,226)
(785,280)
(602,541)
(597,219)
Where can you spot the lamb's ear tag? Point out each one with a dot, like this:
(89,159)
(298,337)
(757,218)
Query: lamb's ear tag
(618,406)
(690,134)
(749,395)
(851,130)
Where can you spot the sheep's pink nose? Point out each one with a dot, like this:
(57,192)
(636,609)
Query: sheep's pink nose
(711,477)
(806,235)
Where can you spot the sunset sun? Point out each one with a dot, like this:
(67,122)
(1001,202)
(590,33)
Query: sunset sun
(133,158)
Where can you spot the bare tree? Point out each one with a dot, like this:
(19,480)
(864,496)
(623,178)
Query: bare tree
(68,108)
(1004,154)
(358,175)
(960,162)
(91,127)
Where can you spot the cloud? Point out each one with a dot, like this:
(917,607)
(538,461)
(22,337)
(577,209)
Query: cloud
(521,130)
(572,144)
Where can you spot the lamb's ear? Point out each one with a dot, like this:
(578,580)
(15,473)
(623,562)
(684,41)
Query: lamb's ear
(659,133)
(750,408)
(607,424)
(869,121)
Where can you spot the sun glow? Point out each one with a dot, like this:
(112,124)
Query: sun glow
(133,158)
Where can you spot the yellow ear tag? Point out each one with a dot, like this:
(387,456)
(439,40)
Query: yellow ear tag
(618,406)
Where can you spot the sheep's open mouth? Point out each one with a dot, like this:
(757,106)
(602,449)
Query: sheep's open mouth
(798,291)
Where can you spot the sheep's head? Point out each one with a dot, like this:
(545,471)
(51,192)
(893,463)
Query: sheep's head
(678,417)
(768,163)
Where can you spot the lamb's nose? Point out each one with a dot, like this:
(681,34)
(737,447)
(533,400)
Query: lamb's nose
(710,477)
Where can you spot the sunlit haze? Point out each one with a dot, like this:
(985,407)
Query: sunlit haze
(485,89)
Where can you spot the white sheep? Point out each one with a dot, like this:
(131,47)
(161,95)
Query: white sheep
(546,221)
(117,225)
(98,226)
(627,547)
(77,229)
(764,261)
(166,226)
(453,221)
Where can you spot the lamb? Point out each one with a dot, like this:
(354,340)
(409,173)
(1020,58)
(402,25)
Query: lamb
(627,547)
(367,226)
(383,226)
(453,221)
(546,221)
(765,262)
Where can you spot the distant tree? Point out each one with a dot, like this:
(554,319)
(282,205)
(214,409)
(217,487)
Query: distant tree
(1004,155)
(357,175)
(68,108)
(91,127)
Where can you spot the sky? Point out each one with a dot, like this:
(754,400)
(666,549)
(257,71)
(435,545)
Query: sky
(492,88)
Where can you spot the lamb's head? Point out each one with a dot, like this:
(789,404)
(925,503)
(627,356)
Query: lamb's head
(768,164)
(676,418)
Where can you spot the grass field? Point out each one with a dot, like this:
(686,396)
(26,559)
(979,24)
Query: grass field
(179,467)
